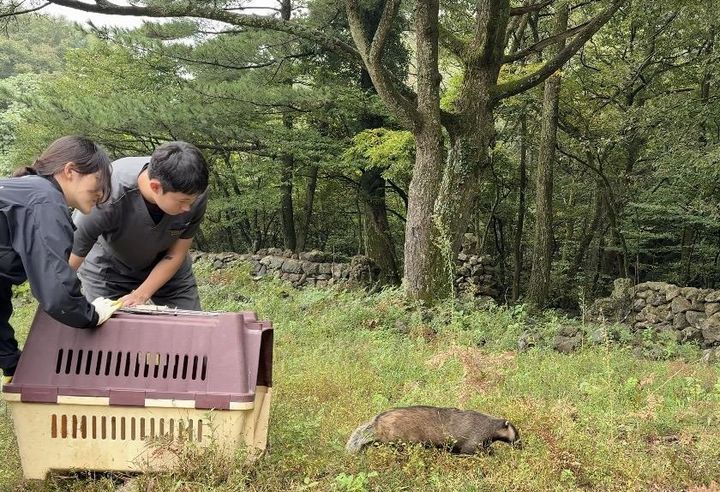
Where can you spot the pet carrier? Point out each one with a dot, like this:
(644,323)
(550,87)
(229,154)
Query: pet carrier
(124,396)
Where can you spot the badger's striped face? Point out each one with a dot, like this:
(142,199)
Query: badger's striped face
(509,434)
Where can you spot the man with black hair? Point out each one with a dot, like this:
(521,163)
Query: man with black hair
(135,247)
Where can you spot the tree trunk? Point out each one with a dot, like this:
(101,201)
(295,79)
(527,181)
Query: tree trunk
(522,209)
(287,161)
(286,200)
(595,265)
(378,241)
(491,218)
(588,234)
(539,284)
(307,208)
(229,233)
(199,241)
(500,248)
(423,271)
(471,138)
(687,248)
(570,229)
(380,246)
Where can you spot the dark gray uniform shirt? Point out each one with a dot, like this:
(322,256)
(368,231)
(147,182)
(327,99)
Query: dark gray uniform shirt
(36,236)
(121,243)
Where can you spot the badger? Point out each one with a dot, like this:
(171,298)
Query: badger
(459,431)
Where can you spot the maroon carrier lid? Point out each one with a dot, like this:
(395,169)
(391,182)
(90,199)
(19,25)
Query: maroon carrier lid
(214,359)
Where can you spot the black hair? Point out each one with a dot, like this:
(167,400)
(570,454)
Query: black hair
(180,167)
(86,156)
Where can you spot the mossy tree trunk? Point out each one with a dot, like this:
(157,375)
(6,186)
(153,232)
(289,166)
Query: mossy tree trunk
(539,283)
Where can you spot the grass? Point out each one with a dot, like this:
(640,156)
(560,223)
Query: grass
(602,418)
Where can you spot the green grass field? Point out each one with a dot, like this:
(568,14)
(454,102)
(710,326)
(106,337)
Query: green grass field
(602,418)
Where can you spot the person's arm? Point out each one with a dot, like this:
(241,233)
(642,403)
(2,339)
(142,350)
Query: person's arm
(160,274)
(88,228)
(75,261)
(43,237)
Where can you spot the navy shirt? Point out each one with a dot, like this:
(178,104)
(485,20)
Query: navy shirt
(36,236)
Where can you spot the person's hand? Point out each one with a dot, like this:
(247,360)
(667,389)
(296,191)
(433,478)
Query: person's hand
(134,298)
(105,308)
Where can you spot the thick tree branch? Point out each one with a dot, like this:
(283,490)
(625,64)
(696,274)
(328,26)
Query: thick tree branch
(452,42)
(217,64)
(192,9)
(537,47)
(488,42)
(357,28)
(249,148)
(508,89)
(400,192)
(384,27)
(371,55)
(495,32)
(428,75)
(515,32)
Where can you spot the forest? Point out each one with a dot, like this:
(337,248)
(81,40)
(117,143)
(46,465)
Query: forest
(583,147)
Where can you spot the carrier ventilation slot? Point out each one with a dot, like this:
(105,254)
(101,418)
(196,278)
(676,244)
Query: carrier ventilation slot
(131,364)
(119,428)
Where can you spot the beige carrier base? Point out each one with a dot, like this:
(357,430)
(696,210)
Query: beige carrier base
(86,433)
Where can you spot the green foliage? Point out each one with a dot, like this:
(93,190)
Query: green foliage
(451,92)
(138,90)
(354,483)
(638,145)
(35,44)
(14,92)
(390,150)
(32,49)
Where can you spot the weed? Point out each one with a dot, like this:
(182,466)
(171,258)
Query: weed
(353,483)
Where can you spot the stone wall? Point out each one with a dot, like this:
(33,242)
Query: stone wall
(688,313)
(313,268)
(476,274)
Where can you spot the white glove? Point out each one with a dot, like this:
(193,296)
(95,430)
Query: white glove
(105,308)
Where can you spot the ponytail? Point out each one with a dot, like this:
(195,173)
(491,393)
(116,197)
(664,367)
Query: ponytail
(24,171)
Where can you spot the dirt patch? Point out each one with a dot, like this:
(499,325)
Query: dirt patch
(221,277)
(481,370)
(713,487)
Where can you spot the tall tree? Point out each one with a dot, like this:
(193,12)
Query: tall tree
(521,210)
(543,243)
(287,162)
(443,187)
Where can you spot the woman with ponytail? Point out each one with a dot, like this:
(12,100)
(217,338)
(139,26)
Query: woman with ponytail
(36,236)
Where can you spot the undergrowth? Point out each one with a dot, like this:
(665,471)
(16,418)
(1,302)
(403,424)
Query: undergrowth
(606,417)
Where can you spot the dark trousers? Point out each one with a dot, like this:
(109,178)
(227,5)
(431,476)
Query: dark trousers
(9,353)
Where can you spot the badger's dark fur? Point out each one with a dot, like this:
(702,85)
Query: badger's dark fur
(460,431)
